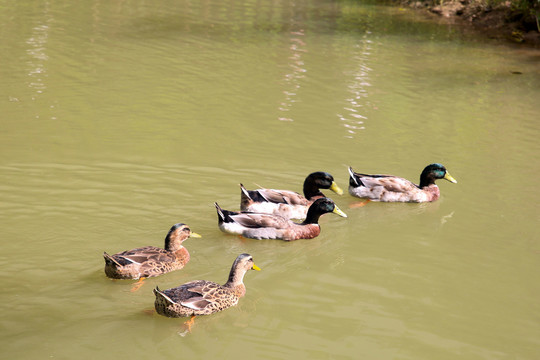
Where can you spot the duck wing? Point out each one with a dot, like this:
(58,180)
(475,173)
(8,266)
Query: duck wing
(388,182)
(198,294)
(254,220)
(144,254)
(283,197)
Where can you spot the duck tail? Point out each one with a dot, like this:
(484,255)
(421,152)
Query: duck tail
(224,215)
(352,180)
(220,213)
(245,193)
(109,260)
(161,297)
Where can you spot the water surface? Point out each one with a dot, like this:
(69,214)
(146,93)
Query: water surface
(120,119)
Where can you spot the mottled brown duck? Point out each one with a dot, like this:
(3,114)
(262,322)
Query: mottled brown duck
(150,261)
(203,297)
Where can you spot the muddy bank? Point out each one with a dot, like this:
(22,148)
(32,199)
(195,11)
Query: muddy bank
(497,22)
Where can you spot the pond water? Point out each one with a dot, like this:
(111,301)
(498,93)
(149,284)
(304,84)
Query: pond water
(120,119)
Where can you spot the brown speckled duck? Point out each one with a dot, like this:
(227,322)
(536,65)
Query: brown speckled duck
(390,188)
(266,226)
(202,297)
(151,261)
(289,204)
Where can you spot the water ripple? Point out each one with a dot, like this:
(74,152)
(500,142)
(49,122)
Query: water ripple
(100,190)
(297,71)
(353,119)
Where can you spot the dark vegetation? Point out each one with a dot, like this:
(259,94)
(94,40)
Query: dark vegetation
(514,20)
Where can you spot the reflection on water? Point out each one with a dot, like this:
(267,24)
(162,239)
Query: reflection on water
(353,120)
(297,71)
(38,54)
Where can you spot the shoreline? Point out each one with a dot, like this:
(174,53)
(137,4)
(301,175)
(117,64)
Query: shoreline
(500,22)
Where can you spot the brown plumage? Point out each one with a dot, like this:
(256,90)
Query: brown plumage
(151,261)
(202,297)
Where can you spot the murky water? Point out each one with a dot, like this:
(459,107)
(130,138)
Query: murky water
(120,119)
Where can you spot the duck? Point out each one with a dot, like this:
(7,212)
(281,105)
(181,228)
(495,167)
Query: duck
(286,203)
(389,188)
(266,226)
(150,261)
(203,297)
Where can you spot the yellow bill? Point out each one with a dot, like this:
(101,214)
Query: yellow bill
(339,212)
(335,188)
(255,267)
(193,234)
(449,177)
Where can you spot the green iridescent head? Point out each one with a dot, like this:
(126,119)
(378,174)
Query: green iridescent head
(433,172)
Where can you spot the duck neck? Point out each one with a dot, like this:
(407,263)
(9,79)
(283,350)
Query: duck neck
(235,278)
(311,190)
(173,243)
(236,282)
(426,179)
(312,216)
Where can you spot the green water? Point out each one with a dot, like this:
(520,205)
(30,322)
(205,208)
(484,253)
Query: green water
(119,119)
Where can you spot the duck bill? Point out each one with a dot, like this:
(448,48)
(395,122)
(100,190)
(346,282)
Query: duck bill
(255,267)
(449,177)
(339,212)
(195,235)
(335,188)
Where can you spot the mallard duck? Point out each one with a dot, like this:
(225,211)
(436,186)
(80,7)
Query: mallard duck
(266,226)
(390,188)
(289,204)
(202,297)
(151,261)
